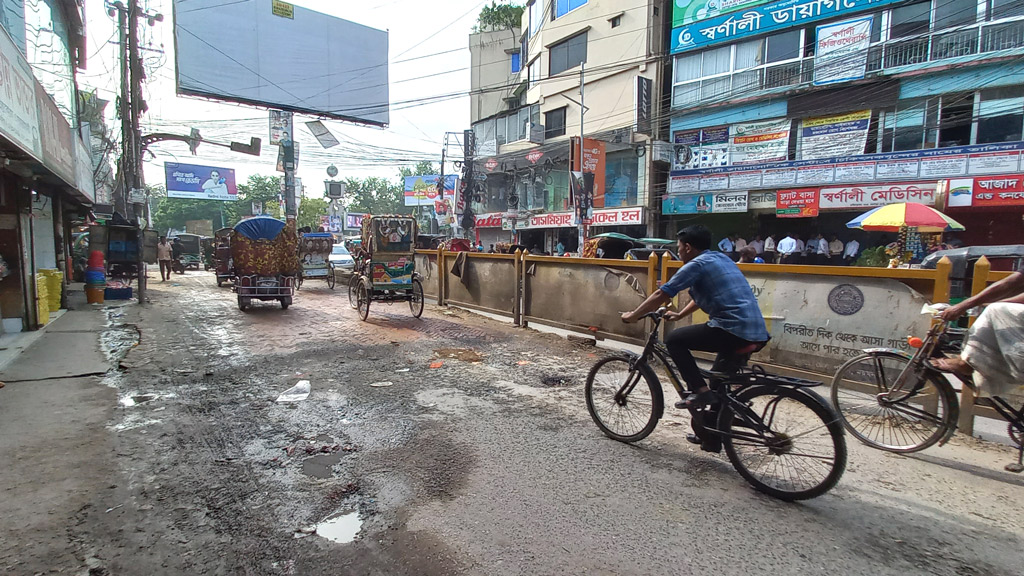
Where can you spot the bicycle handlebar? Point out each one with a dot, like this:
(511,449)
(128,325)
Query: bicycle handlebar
(656,315)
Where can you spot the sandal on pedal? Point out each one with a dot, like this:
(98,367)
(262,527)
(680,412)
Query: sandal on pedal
(951,366)
(694,439)
(698,400)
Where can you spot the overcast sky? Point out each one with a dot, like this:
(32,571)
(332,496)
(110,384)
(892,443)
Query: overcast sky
(417,29)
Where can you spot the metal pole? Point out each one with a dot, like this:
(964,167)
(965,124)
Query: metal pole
(579,153)
(135,109)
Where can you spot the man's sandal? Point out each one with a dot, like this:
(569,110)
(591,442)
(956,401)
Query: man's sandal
(698,400)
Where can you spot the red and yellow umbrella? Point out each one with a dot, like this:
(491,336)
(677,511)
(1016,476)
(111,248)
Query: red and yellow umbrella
(894,217)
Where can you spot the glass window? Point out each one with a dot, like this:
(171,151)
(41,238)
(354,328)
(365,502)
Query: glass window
(717,61)
(950,13)
(534,72)
(910,20)
(749,54)
(688,67)
(904,129)
(536,16)
(620,176)
(568,54)
(955,118)
(785,46)
(563,7)
(1004,9)
(517,62)
(48,54)
(485,130)
(616,21)
(535,114)
(1001,115)
(501,134)
(523,121)
(554,123)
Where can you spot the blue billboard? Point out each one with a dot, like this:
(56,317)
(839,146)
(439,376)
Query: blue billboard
(200,182)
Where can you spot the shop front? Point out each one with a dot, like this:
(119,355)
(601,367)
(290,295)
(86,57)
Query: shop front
(991,208)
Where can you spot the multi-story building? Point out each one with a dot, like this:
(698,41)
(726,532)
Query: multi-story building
(797,115)
(574,66)
(46,168)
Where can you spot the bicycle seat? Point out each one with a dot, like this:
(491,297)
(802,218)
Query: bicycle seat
(730,362)
(749,348)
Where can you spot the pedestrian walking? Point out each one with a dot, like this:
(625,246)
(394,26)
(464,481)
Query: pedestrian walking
(163,256)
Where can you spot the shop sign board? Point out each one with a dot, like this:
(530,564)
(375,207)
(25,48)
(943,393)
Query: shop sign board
(842,51)
(1005,190)
(200,182)
(761,201)
(831,136)
(549,220)
(83,170)
(975,160)
(759,19)
(729,202)
(799,203)
(19,112)
(878,195)
(491,220)
(619,217)
(689,11)
(55,135)
(756,142)
(745,180)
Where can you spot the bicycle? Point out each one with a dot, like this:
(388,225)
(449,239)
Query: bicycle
(897,402)
(782,437)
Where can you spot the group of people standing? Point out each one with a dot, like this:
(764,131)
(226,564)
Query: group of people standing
(791,250)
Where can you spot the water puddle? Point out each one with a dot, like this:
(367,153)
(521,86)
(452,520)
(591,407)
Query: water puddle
(129,401)
(320,466)
(341,528)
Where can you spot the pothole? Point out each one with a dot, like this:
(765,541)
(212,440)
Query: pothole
(341,528)
(556,381)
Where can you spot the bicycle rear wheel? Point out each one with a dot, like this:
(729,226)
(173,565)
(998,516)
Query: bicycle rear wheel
(912,418)
(627,413)
(354,285)
(787,443)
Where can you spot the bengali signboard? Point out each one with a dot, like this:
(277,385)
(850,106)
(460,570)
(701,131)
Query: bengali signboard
(761,201)
(756,142)
(729,202)
(687,204)
(763,18)
(878,195)
(422,190)
(619,217)
(842,51)
(55,136)
(19,113)
(686,12)
(200,182)
(709,148)
(831,136)
(999,191)
(800,203)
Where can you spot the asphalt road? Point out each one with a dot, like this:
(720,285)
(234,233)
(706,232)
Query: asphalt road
(474,466)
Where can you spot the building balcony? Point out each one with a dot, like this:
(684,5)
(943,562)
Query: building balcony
(972,40)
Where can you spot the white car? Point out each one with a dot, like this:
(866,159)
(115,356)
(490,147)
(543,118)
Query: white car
(342,259)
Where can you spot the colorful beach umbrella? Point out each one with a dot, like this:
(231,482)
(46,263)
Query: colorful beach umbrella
(894,217)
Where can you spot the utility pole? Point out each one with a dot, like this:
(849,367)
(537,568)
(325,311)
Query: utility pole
(134,174)
(579,152)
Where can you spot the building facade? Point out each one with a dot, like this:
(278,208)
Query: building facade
(590,67)
(797,115)
(46,168)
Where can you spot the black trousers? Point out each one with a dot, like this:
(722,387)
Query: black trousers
(704,338)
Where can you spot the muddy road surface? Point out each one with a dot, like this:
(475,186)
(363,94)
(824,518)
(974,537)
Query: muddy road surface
(456,444)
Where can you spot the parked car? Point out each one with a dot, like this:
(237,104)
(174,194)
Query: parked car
(342,259)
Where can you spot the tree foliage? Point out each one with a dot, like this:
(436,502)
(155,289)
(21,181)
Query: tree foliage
(310,211)
(503,16)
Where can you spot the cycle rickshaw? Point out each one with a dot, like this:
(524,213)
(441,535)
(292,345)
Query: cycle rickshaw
(385,268)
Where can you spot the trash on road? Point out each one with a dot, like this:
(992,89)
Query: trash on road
(436,364)
(523,363)
(296,393)
(463,354)
(402,370)
(381,384)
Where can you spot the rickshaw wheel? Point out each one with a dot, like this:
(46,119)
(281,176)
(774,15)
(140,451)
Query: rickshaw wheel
(416,298)
(220,282)
(298,283)
(244,302)
(331,280)
(353,291)
(286,302)
(364,301)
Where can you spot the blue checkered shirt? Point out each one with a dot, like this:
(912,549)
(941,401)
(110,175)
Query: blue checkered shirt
(721,290)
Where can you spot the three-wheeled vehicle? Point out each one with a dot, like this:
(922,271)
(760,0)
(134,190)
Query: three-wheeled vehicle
(386,271)
(222,263)
(1008,258)
(191,253)
(314,256)
(264,251)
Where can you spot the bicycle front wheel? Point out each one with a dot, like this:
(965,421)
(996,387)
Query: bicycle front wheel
(354,285)
(904,418)
(625,402)
(787,443)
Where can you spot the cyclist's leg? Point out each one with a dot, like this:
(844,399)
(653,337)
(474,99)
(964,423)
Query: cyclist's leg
(697,337)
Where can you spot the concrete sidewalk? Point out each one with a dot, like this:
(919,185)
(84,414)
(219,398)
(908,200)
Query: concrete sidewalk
(59,456)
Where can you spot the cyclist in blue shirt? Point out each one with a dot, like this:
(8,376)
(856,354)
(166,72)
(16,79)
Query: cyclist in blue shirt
(718,288)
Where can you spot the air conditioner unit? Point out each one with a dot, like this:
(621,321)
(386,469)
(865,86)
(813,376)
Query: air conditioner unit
(662,152)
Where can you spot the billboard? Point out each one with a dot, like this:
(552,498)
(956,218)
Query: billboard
(270,53)
(422,190)
(200,182)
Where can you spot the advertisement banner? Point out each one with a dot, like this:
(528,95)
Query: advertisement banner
(999,191)
(200,182)
(759,19)
(280,127)
(19,113)
(831,136)
(491,220)
(55,134)
(729,202)
(704,148)
(687,204)
(331,223)
(686,12)
(354,221)
(313,252)
(422,190)
(802,203)
(878,195)
(842,51)
(754,142)
(593,163)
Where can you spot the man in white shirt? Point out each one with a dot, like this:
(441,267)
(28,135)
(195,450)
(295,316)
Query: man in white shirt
(738,243)
(801,250)
(770,255)
(726,245)
(850,253)
(758,245)
(821,250)
(787,250)
(835,251)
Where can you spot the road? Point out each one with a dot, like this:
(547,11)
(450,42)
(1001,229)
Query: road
(485,464)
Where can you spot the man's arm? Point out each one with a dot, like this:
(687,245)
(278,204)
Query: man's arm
(690,308)
(652,303)
(1009,287)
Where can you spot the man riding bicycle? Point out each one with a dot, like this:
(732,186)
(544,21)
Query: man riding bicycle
(718,288)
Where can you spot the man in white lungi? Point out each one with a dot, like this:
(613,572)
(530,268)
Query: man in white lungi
(993,353)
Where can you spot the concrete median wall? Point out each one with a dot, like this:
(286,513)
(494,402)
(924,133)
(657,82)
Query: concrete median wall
(487,282)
